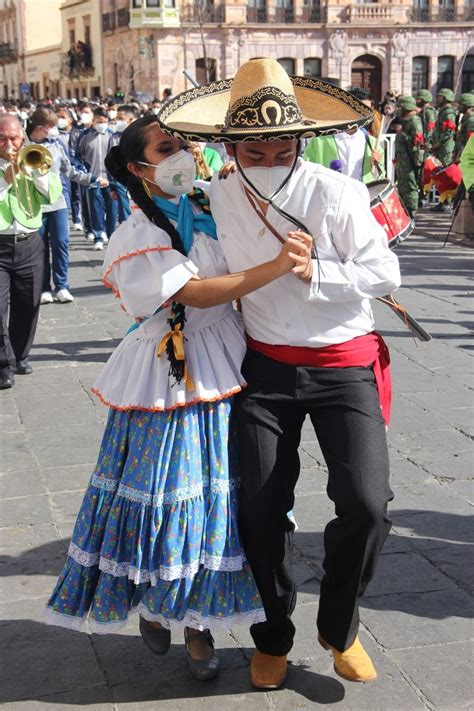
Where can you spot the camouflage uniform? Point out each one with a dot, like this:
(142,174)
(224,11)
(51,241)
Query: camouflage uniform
(428,116)
(466,128)
(409,155)
(445,131)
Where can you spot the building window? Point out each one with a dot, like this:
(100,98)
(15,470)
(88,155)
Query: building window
(312,67)
(87,34)
(467,76)
(419,77)
(445,73)
(288,65)
(312,11)
(284,11)
(205,75)
(447,11)
(72,36)
(421,11)
(123,17)
(257,11)
(153,3)
(137,4)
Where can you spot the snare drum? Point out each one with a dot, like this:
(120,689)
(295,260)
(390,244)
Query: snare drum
(389,211)
(447,181)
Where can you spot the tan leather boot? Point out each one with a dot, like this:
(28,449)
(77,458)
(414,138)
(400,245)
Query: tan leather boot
(267,671)
(354,664)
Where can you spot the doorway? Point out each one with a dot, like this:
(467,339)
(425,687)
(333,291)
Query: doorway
(367,74)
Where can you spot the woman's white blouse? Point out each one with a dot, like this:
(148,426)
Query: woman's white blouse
(144,272)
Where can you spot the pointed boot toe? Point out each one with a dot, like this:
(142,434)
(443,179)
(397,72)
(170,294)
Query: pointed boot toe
(268,671)
(354,664)
(157,639)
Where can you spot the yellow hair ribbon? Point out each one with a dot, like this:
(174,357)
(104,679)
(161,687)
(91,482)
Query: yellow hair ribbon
(177,338)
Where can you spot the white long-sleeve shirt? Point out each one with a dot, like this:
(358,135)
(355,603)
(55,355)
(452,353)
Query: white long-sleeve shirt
(356,264)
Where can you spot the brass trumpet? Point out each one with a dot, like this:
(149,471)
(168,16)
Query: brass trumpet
(31,157)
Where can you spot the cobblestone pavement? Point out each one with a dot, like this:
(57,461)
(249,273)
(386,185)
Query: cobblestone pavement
(416,614)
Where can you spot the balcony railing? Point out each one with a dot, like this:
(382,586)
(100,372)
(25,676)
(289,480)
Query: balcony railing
(446,14)
(420,14)
(205,12)
(373,12)
(123,17)
(256,14)
(312,14)
(154,17)
(284,14)
(8,52)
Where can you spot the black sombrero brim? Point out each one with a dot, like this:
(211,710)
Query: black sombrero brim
(199,114)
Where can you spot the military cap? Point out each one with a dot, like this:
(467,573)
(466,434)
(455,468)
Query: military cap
(407,103)
(467,99)
(447,93)
(424,95)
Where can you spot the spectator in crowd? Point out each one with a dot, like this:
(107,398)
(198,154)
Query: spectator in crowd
(92,149)
(55,226)
(86,115)
(71,190)
(21,251)
(125,116)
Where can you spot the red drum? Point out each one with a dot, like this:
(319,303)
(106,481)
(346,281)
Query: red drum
(389,211)
(430,165)
(447,181)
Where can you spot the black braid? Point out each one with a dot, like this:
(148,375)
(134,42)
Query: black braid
(133,143)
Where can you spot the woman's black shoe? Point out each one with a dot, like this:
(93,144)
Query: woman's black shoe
(203,669)
(158,639)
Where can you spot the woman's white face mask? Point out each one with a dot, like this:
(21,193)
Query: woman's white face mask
(174,175)
(266,180)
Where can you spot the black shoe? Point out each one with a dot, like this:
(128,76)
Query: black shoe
(6,381)
(440,207)
(157,639)
(23,368)
(202,669)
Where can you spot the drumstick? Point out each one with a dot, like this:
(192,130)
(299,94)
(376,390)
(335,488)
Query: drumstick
(376,170)
(411,323)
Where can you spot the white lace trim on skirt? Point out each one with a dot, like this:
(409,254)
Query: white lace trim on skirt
(191,619)
(168,573)
(216,486)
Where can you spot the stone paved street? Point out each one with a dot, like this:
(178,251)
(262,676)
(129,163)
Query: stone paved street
(417,615)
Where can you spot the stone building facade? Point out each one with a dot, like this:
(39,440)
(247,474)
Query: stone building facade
(30,41)
(397,44)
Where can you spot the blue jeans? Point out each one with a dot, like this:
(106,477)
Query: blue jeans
(75,202)
(55,234)
(103,211)
(86,217)
(123,203)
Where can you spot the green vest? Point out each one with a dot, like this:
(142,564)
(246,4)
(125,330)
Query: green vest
(323,150)
(10,210)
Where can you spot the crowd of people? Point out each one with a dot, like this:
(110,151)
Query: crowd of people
(186,518)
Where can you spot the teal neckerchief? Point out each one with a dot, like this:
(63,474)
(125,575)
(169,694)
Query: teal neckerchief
(187,221)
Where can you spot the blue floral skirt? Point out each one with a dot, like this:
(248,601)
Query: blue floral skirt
(157,529)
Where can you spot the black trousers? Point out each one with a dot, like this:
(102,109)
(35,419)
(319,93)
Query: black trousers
(344,409)
(21,279)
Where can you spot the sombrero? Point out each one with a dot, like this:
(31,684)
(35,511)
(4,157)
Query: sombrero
(262,103)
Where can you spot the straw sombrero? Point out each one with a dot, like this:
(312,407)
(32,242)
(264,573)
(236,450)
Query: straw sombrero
(262,103)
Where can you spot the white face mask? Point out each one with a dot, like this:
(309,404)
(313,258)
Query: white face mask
(112,114)
(23,115)
(155,110)
(62,123)
(120,126)
(53,132)
(266,180)
(101,127)
(175,174)
(86,119)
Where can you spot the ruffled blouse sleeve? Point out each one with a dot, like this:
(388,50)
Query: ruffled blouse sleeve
(142,268)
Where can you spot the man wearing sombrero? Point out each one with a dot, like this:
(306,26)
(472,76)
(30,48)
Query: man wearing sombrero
(312,349)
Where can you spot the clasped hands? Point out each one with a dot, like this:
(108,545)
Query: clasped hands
(298,250)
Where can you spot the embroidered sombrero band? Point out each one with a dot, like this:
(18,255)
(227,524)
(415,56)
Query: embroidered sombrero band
(262,103)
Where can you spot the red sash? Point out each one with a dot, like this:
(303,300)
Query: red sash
(359,352)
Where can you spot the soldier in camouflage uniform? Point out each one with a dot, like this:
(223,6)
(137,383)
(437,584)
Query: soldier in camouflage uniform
(409,154)
(445,131)
(428,116)
(466,129)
